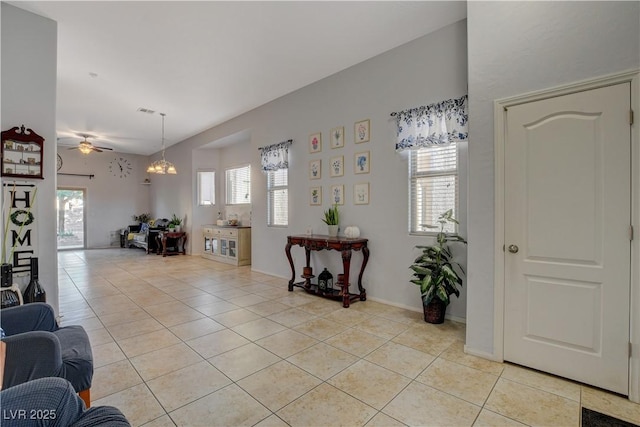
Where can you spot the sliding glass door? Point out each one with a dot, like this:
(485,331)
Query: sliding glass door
(71,218)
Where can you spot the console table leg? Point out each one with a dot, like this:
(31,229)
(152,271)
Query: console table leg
(287,250)
(346,266)
(365,259)
(164,246)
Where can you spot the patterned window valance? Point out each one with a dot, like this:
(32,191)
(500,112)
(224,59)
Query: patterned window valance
(275,156)
(440,123)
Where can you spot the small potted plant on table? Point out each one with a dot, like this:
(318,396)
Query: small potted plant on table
(436,273)
(332,219)
(175,224)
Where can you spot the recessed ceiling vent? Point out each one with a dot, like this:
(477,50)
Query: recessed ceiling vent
(146,110)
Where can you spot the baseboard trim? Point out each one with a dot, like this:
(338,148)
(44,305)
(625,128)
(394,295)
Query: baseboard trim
(369,298)
(268,273)
(414,309)
(482,354)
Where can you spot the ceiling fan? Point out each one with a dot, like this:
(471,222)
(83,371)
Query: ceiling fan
(86,147)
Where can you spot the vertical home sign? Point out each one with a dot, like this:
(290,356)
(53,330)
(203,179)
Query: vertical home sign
(20,226)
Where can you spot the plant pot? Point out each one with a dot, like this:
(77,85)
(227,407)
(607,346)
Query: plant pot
(178,228)
(434,311)
(333,230)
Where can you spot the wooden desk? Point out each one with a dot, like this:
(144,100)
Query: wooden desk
(342,244)
(181,240)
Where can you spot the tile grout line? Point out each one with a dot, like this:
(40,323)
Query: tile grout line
(239,280)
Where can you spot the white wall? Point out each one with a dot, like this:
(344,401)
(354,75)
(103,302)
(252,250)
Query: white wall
(235,156)
(218,159)
(204,159)
(111,201)
(517,47)
(427,70)
(174,194)
(29,47)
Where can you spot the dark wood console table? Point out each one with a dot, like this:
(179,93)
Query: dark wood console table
(180,238)
(342,244)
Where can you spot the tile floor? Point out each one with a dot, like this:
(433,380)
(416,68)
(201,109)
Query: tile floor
(190,342)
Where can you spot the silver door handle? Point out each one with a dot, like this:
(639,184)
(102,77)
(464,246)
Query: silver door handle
(513,249)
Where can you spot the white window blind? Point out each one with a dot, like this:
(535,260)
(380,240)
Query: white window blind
(206,181)
(433,176)
(278,198)
(238,185)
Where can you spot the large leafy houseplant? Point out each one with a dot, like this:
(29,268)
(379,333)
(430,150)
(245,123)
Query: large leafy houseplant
(435,271)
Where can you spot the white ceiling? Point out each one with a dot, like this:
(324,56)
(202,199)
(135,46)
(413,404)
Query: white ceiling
(205,62)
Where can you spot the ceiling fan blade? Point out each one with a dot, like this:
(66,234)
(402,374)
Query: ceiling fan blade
(72,148)
(96,149)
(104,148)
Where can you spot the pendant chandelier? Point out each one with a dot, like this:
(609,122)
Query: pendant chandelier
(162,167)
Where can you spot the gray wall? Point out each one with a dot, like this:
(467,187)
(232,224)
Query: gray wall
(111,201)
(29,46)
(219,157)
(517,47)
(427,70)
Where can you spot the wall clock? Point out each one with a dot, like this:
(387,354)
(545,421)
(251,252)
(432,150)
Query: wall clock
(59,162)
(120,167)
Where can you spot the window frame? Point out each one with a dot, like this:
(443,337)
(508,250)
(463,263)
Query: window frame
(226,185)
(271,189)
(199,189)
(412,190)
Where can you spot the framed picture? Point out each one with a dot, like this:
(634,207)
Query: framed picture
(315,142)
(336,166)
(361,194)
(315,169)
(337,137)
(361,131)
(315,196)
(337,194)
(361,162)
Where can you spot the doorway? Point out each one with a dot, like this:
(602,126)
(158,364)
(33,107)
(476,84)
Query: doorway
(71,214)
(567,218)
(510,262)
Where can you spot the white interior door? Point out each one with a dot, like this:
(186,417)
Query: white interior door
(567,236)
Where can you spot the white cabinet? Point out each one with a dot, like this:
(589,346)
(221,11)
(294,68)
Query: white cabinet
(227,244)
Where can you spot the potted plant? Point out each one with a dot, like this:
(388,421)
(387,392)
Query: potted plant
(142,218)
(175,223)
(332,219)
(436,273)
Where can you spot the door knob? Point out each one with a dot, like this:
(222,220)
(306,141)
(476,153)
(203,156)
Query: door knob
(513,249)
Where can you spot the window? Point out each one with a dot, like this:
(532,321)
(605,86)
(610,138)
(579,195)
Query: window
(278,198)
(433,180)
(274,160)
(238,185)
(432,133)
(206,184)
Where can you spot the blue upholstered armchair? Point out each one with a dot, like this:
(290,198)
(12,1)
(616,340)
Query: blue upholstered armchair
(38,348)
(53,402)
